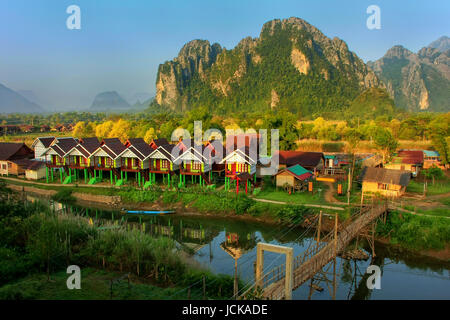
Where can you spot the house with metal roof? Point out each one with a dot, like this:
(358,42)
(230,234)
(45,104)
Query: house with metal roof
(409,160)
(432,158)
(294,177)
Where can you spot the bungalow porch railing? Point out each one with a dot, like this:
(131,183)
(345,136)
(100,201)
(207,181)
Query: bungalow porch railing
(135,165)
(107,164)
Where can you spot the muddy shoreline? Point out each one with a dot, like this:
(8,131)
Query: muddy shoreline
(111,203)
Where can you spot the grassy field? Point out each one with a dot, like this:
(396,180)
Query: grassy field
(363,147)
(270,192)
(439,187)
(95,285)
(28,138)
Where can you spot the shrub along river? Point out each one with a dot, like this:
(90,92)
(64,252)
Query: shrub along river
(217,243)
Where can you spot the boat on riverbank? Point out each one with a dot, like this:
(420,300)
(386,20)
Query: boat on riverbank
(148,212)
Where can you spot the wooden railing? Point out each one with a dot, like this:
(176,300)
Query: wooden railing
(308,263)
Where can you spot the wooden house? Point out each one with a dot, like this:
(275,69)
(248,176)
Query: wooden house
(54,155)
(192,162)
(240,167)
(135,159)
(106,158)
(312,161)
(294,178)
(10,153)
(432,158)
(386,182)
(35,170)
(78,159)
(161,162)
(40,145)
(409,160)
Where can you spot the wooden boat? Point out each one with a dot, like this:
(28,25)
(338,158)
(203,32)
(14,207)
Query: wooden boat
(148,212)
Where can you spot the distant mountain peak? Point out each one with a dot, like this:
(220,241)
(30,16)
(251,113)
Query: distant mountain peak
(109,100)
(398,51)
(13,102)
(442,44)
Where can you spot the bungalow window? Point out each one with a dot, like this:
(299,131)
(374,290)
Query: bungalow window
(164,164)
(4,166)
(136,162)
(196,166)
(383,186)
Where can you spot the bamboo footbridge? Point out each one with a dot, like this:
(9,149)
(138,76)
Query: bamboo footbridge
(303,267)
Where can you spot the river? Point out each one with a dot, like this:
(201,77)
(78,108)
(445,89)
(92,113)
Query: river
(217,241)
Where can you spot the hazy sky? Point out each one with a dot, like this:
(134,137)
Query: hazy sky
(122,42)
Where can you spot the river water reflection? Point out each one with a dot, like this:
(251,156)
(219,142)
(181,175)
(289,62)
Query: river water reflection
(219,242)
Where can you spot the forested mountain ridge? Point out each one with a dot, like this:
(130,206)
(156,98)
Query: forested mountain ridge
(291,64)
(417,81)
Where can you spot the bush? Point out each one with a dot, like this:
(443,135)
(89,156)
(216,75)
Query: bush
(292,214)
(64,196)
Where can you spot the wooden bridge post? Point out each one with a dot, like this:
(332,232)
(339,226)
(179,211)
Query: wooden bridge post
(289,274)
(259,264)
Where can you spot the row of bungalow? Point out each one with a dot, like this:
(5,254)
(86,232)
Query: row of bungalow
(238,163)
(91,160)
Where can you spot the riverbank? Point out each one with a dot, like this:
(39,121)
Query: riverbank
(259,211)
(37,244)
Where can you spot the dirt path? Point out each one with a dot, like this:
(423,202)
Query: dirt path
(99,185)
(329,194)
(303,204)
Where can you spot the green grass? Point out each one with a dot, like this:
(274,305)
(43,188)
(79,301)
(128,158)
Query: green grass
(416,232)
(439,187)
(269,192)
(95,285)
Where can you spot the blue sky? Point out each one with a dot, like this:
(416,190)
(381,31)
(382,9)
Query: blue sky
(121,43)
